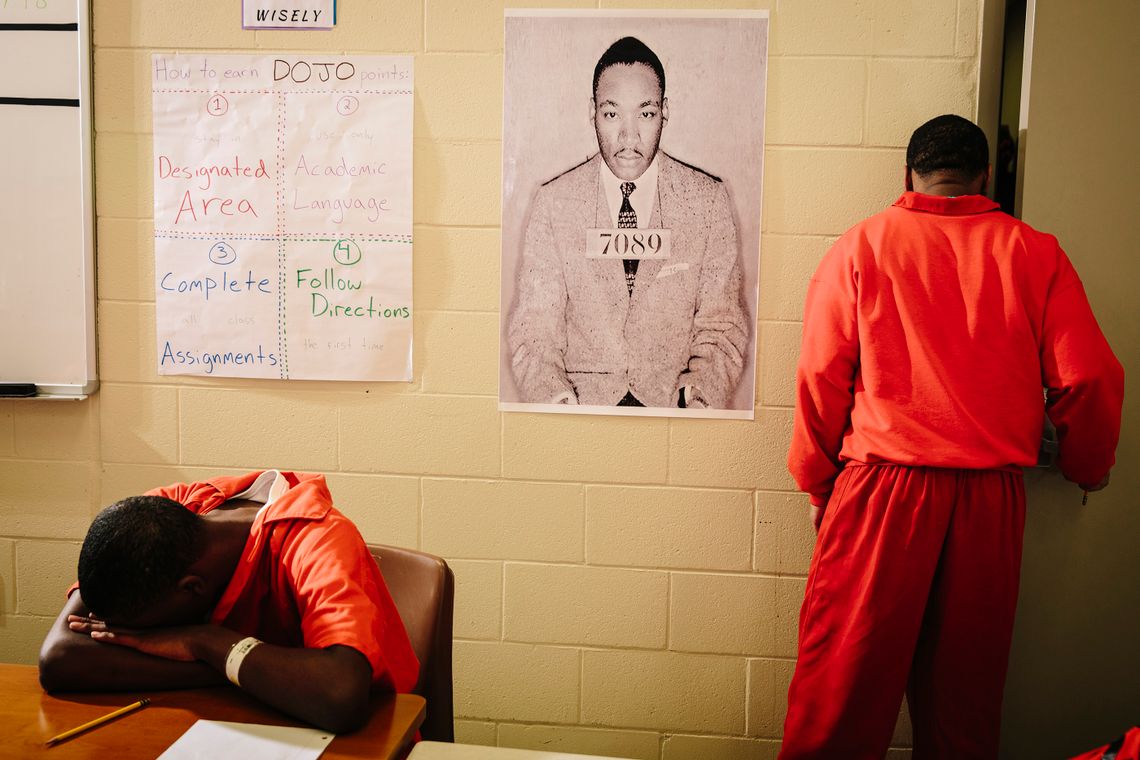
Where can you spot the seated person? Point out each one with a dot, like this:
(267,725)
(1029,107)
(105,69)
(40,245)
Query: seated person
(173,584)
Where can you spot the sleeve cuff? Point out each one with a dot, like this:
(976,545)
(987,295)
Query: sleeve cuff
(818,500)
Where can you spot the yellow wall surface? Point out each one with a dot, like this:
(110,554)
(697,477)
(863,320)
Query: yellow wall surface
(624,586)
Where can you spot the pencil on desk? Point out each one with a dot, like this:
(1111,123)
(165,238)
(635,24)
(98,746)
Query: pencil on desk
(97,722)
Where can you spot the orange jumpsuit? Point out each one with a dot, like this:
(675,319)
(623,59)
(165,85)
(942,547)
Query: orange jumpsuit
(930,330)
(306,578)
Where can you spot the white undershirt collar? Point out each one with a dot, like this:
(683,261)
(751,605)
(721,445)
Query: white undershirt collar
(267,488)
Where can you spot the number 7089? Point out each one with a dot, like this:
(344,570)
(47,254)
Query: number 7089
(624,243)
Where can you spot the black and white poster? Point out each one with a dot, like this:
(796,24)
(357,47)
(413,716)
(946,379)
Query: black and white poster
(633,147)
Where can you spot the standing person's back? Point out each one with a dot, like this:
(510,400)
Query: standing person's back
(930,330)
(961,315)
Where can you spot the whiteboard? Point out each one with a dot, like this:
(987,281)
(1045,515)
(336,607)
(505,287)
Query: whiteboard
(47,252)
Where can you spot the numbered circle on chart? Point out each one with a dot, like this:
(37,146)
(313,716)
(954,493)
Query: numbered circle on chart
(217,105)
(223,253)
(347,105)
(346,252)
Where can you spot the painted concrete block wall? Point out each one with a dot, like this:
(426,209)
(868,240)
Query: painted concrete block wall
(624,586)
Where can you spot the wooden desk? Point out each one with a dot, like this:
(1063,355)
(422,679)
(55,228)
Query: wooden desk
(29,717)
(440,751)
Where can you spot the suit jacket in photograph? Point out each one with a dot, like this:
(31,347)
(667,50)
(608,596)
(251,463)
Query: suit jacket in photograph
(575,327)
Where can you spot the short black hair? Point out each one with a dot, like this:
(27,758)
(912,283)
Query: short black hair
(951,144)
(135,552)
(628,51)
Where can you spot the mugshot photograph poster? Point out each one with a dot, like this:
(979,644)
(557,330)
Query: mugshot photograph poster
(715,71)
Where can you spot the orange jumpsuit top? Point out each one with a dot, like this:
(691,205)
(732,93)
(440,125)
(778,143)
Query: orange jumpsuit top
(929,332)
(306,578)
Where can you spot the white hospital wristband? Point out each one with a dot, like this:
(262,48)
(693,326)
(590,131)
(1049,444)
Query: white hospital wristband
(237,655)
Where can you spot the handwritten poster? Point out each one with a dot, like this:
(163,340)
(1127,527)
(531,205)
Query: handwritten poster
(283,216)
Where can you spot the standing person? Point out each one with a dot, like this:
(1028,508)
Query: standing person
(929,331)
(256,578)
(613,331)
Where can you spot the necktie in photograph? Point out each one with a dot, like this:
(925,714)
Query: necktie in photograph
(627,219)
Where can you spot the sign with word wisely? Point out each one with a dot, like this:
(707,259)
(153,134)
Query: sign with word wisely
(292,14)
(283,216)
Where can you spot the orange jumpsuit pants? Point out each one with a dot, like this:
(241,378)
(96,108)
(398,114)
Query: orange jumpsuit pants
(914,578)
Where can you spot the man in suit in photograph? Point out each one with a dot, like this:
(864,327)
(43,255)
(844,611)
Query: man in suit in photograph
(666,331)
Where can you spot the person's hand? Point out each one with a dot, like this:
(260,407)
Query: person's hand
(1095,486)
(81,624)
(168,643)
(816,517)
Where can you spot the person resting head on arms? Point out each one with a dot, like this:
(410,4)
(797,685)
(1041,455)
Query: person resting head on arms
(255,578)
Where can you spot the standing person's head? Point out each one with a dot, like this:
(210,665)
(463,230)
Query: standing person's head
(629,106)
(137,564)
(948,155)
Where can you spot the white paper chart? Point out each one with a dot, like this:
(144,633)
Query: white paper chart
(283,216)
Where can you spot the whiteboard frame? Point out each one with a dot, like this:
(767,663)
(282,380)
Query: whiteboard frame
(86,151)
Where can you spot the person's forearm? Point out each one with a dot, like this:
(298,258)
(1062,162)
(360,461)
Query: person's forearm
(329,688)
(1084,382)
(93,668)
(71,661)
(536,328)
(721,328)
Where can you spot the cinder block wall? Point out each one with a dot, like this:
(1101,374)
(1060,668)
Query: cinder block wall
(625,586)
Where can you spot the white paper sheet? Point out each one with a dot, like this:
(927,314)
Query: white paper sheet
(219,740)
(283,215)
